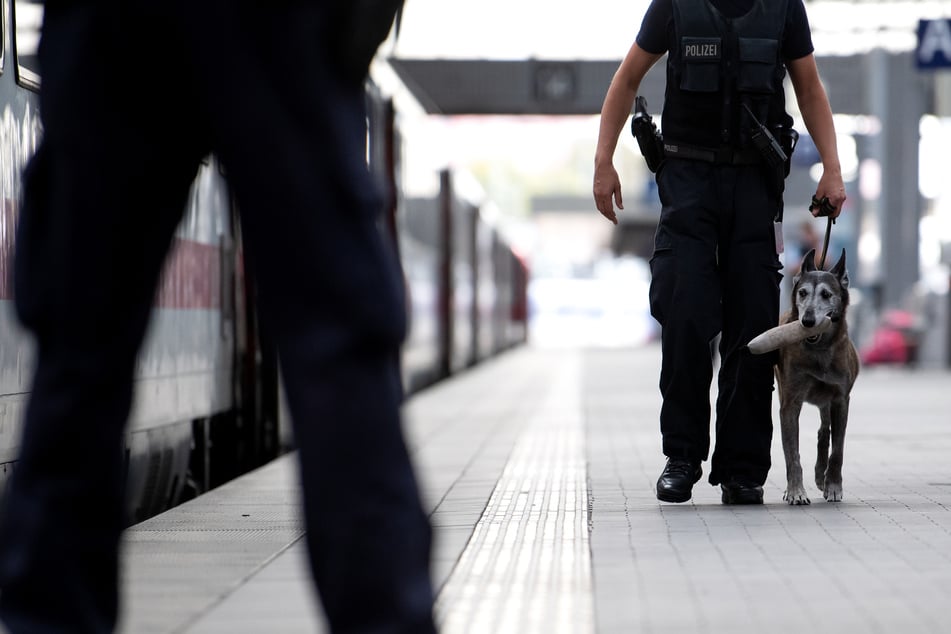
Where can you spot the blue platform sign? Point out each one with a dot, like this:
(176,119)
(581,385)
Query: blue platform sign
(934,44)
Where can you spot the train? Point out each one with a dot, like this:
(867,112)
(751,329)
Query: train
(207,404)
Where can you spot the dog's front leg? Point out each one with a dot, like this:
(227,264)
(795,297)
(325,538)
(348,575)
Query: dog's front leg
(839,414)
(789,411)
(822,449)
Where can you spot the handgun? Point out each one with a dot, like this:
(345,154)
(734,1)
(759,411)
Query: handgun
(649,139)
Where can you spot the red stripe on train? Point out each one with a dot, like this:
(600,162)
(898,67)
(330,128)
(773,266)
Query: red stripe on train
(192,276)
(191,279)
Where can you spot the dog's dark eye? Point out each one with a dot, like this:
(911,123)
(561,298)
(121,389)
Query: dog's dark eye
(825,294)
(803,292)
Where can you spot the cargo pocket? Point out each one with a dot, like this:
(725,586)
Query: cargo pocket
(701,64)
(662,275)
(758,58)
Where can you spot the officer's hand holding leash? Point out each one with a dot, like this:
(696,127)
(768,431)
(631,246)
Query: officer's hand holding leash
(831,190)
(821,207)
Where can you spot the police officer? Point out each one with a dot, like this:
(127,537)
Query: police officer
(715,266)
(134,95)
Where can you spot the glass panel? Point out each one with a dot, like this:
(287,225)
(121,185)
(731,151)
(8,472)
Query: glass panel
(28,18)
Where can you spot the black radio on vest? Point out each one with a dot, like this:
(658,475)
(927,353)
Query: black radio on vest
(765,143)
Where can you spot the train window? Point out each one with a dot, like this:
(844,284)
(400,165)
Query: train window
(3,25)
(27,20)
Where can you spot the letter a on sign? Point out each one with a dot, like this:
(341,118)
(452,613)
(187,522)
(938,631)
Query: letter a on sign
(934,44)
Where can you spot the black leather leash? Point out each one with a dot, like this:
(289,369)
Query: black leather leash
(825,209)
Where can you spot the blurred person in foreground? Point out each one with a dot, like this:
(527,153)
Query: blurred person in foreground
(133,96)
(715,266)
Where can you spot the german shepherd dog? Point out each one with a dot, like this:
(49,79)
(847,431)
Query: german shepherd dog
(820,370)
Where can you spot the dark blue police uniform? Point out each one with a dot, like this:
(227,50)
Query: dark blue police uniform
(715,267)
(134,95)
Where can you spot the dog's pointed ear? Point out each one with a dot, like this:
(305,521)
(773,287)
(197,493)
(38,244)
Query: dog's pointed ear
(808,261)
(840,271)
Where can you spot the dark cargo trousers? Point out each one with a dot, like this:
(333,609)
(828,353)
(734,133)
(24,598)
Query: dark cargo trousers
(715,270)
(134,95)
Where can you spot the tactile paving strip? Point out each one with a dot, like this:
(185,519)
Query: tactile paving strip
(527,565)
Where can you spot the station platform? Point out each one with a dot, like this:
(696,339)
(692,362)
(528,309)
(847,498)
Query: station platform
(538,469)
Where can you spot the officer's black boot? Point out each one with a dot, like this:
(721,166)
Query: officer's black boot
(738,491)
(676,482)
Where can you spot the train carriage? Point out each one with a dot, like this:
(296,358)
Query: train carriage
(206,404)
(194,389)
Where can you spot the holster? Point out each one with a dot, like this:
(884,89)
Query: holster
(648,138)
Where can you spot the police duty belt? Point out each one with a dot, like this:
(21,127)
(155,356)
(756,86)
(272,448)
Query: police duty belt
(723,155)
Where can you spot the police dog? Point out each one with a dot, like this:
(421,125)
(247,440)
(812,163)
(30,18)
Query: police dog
(819,370)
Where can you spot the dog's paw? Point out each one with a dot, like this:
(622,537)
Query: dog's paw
(796,496)
(832,491)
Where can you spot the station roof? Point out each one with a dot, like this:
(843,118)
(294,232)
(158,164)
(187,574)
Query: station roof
(478,86)
(577,87)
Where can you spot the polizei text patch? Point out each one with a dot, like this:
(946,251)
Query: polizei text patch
(695,48)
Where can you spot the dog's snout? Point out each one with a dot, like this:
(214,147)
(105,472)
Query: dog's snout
(808,319)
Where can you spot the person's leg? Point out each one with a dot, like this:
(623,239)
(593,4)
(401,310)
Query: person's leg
(685,300)
(291,136)
(751,280)
(97,219)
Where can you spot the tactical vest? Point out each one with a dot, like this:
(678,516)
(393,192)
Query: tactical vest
(717,64)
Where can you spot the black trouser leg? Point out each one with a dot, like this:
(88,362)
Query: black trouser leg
(685,300)
(715,269)
(750,270)
(92,237)
(331,297)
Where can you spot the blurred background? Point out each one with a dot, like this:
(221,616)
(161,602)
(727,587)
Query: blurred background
(495,107)
(505,95)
